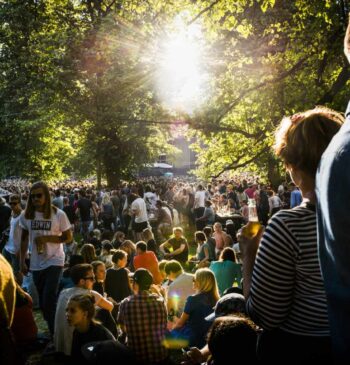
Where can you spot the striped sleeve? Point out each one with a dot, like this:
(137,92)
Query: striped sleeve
(271,294)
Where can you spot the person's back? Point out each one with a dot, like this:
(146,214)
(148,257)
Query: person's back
(144,317)
(226,273)
(333,193)
(148,260)
(179,290)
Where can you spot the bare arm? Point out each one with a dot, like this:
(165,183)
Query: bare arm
(347,42)
(182,320)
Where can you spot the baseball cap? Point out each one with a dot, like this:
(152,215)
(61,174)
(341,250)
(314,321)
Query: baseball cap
(143,278)
(228,304)
(102,352)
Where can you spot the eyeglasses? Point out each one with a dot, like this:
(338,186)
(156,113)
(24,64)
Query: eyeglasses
(92,278)
(13,203)
(36,196)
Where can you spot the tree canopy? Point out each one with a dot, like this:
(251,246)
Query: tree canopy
(79,82)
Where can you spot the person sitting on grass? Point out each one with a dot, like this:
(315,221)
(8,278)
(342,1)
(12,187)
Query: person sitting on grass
(178,244)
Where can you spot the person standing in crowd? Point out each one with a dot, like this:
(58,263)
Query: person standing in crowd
(140,222)
(333,197)
(84,206)
(221,238)
(57,201)
(275,203)
(5,215)
(164,221)
(13,245)
(115,200)
(143,318)
(107,212)
(178,244)
(46,229)
(199,204)
(295,196)
(282,281)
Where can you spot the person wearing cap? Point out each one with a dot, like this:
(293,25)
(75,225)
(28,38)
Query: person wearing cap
(143,318)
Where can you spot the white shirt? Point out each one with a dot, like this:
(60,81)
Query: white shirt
(150,199)
(63,335)
(53,253)
(179,290)
(138,207)
(14,242)
(199,199)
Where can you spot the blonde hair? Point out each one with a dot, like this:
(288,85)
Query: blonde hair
(301,139)
(106,199)
(206,283)
(128,247)
(178,229)
(147,234)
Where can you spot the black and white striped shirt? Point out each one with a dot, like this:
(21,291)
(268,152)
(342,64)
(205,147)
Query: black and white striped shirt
(287,288)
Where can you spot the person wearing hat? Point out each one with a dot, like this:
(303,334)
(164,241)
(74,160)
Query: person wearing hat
(143,318)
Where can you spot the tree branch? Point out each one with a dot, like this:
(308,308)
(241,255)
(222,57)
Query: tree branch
(236,165)
(203,11)
(282,76)
(339,83)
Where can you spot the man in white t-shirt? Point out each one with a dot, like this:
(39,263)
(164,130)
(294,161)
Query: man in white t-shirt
(83,278)
(199,203)
(140,222)
(180,288)
(45,229)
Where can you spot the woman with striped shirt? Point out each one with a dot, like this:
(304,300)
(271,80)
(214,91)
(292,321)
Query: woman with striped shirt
(281,273)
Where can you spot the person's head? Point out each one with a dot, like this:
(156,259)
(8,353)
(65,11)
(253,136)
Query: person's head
(97,233)
(229,330)
(80,310)
(141,280)
(173,269)
(200,187)
(204,282)
(65,201)
(88,252)
(75,260)
(199,237)
(141,247)
(106,247)
(177,232)
(228,304)
(228,254)
(119,236)
(207,203)
(82,276)
(147,234)
(57,193)
(15,203)
(302,138)
(120,258)
(161,267)
(159,204)
(217,227)
(99,270)
(39,200)
(207,231)
(129,247)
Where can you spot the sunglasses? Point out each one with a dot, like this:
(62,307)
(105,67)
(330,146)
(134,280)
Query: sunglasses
(92,278)
(36,196)
(13,203)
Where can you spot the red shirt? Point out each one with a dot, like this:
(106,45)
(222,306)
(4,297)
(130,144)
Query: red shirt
(148,260)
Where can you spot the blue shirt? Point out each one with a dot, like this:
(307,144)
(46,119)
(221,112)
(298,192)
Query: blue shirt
(295,198)
(226,273)
(333,209)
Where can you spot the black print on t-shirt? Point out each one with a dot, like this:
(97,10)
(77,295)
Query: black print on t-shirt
(41,225)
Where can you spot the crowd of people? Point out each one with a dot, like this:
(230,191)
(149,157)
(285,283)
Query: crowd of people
(131,290)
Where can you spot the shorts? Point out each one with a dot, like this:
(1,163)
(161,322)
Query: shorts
(139,227)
